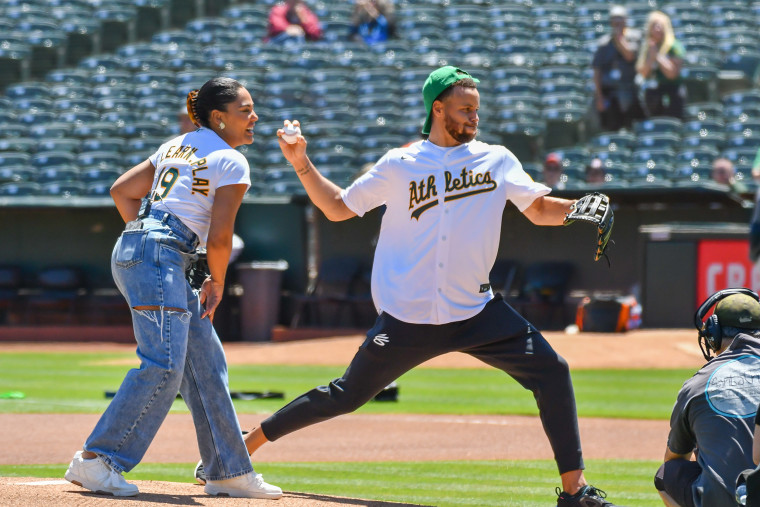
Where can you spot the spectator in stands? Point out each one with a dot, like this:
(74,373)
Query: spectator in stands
(293,21)
(711,426)
(552,172)
(616,95)
(594,173)
(372,21)
(724,172)
(659,63)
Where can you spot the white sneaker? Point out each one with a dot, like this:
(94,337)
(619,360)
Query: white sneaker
(95,475)
(245,486)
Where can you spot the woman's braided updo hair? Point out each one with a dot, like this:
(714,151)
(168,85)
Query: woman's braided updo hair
(216,93)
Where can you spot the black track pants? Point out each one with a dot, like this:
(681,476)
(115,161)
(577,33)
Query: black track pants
(498,336)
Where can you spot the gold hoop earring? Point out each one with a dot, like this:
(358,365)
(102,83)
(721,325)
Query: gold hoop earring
(221,125)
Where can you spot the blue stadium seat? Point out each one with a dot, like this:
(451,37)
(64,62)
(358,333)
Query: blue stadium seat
(17,173)
(82,35)
(95,129)
(98,174)
(701,82)
(49,130)
(17,158)
(703,111)
(740,156)
(19,188)
(159,77)
(30,89)
(22,144)
(60,145)
(74,116)
(102,63)
(143,129)
(613,140)
(99,144)
(66,189)
(658,124)
(68,76)
(118,25)
(703,139)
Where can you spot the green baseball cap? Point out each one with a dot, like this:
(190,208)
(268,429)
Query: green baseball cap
(738,310)
(436,82)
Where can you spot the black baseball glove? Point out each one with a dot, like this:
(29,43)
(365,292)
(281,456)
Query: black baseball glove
(594,209)
(198,271)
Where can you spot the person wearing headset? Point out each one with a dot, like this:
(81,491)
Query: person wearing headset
(713,417)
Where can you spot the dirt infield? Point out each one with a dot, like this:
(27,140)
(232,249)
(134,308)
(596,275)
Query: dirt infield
(353,437)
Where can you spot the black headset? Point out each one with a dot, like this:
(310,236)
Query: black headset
(710,332)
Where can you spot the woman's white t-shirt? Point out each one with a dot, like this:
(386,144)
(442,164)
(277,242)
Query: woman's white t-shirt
(189,169)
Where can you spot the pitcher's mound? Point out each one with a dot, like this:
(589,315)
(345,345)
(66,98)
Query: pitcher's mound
(35,492)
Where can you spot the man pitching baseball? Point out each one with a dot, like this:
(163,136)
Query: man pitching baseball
(439,237)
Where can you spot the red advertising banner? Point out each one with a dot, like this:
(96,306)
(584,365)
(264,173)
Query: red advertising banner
(722,264)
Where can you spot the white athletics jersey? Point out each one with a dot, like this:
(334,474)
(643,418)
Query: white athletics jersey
(440,232)
(189,169)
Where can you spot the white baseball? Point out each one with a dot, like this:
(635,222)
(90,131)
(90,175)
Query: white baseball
(290,133)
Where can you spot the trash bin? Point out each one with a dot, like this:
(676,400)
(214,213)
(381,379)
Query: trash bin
(260,302)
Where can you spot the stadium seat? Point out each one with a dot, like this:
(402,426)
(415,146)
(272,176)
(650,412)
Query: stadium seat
(82,36)
(15,62)
(613,140)
(19,188)
(524,139)
(703,127)
(17,158)
(740,156)
(55,295)
(658,124)
(89,175)
(742,141)
(68,76)
(63,188)
(99,144)
(565,126)
(29,89)
(95,129)
(701,82)
(573,156)
(703,111)
(117,26)
(76,116)
(23,144)
(657,140)
(738,71)
(74,104)
(151,17)
(59,144)
(705,139)
(142,129)
(748,128)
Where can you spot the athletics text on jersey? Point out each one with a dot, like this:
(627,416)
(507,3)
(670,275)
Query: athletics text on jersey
(440,232)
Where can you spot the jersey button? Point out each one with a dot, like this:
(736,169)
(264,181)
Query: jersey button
(440,264)
(443,238)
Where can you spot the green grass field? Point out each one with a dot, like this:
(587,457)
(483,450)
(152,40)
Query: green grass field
(49,385)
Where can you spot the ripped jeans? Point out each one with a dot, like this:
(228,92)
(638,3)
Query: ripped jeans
(178,351)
